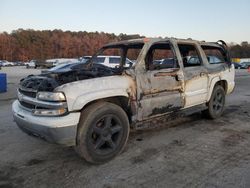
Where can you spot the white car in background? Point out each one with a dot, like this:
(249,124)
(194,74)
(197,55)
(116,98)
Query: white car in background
(7,63)
(111,61)
(30,64)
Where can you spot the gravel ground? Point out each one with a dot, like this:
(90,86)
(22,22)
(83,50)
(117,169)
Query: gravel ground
(192,152)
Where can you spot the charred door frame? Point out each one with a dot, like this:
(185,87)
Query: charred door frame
(160,99)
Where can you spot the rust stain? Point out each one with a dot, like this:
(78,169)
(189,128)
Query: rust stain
(154,92)
(159,74)
(165,109)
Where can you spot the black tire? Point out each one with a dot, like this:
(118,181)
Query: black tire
(216,103)
(102,133)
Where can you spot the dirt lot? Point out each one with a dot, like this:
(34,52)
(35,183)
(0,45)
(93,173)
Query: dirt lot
(192,152)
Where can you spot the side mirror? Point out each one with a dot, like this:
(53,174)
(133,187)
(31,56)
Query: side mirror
(229,63)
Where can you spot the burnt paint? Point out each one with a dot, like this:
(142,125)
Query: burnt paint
(163,118)
(165,109)
(52,79)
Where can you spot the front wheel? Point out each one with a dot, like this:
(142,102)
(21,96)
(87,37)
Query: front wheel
(102,133)
(216,103)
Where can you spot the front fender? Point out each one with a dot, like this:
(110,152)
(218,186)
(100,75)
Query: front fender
(79,93)
(84,99)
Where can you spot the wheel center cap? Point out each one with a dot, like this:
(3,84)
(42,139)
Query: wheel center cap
(105,133)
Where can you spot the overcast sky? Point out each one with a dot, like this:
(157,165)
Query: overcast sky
(203,20)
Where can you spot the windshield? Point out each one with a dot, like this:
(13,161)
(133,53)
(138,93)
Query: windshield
(117,56)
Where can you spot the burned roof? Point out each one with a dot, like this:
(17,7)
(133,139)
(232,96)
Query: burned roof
(141,41)
(137,43)
(125,42)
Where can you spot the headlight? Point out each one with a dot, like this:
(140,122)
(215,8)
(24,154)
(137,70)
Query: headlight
(49,112)
(51,96)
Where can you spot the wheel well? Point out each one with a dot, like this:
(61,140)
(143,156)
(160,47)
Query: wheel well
(121,101)
(222,83)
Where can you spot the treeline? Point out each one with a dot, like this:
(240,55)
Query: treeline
(240,51)
(24,45)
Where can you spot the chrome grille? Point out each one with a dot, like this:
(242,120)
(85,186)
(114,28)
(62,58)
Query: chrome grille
(27,105)
(28,93)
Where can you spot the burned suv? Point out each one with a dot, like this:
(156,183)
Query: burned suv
(93,107)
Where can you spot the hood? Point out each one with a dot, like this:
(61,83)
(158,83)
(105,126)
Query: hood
(48,81)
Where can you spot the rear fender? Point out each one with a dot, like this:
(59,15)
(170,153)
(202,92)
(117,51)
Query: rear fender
(212,84)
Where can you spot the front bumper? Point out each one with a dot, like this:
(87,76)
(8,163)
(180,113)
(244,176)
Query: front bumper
(60,130)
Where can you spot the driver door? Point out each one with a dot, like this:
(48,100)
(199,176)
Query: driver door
(160,86)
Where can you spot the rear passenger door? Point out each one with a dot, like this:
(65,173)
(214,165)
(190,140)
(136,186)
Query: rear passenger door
(195,74)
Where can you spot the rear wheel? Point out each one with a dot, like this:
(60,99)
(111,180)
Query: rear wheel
(103,132)
(216,103)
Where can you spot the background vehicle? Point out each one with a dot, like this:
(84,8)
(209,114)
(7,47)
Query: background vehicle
(214,59)
(31,64)
(111,61)
(18,63)
(85,58)
(245,65)
(237,65)
(167,63)
(7,63)
(42,64)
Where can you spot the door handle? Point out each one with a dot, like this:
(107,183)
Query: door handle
(203,74)
(179,77)
(160,74)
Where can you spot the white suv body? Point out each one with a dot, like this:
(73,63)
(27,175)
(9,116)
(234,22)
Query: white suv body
(91,110)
